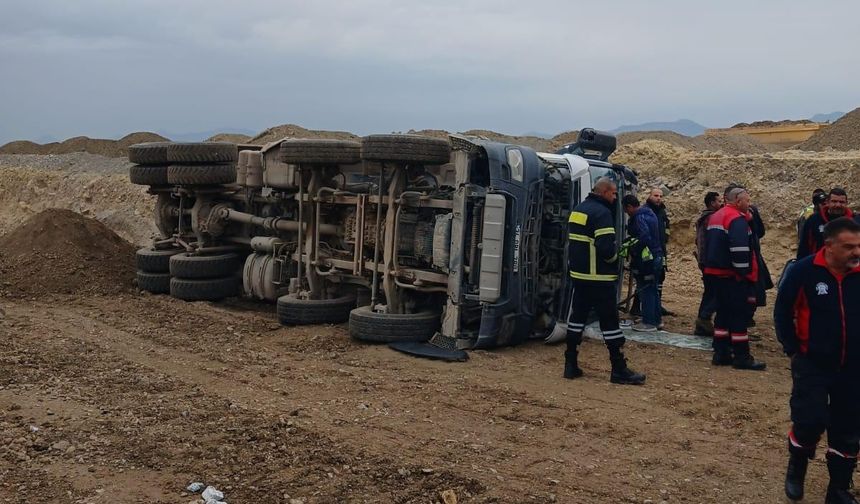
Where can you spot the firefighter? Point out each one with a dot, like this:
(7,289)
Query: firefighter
(818,325)
(812,235)
(656,204)
(704,326)
(732,265)
(593,262)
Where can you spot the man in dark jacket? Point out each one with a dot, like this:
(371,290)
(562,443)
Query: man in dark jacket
(708,305)
(818,324)
(655,203)
(732,264)
(593,263)
(819,199)
(646,259)
(812,235)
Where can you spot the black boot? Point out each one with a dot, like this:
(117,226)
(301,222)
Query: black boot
(623,375)
(841,470)
(571,368)
(744,360)
(722,352)
(703,327)
(795,476)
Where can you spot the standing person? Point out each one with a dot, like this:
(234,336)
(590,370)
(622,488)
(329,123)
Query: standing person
(655,203)
(764,282)
(819,327)
(819,197)
(812,235)
(593,262)
(704,326)
(733,268)
(646,260)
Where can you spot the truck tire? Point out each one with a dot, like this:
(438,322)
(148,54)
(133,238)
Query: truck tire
(202,152)
(405,149)
(155,261)
(156,283)
(369,326)
(152,175)
(207,266)
(201,174)
(295,311)
(149,153)
(205,289)
(325,152)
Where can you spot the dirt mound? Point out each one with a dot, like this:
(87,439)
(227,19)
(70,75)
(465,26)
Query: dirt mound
(236,138)
(101,147)
(726,144)
(842,135)
(60,251)
(292,131)
(771,124)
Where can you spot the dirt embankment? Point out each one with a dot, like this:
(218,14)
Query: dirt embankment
(101,147)
(94,186)
(60,251)
(842,135)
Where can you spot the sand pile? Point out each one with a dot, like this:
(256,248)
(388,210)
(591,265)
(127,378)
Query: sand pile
(726,144)
(771,124)
(108,148)
(62,252)
(843,135)
(236,138)
(292,131)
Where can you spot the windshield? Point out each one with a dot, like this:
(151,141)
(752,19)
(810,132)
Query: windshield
(599,171)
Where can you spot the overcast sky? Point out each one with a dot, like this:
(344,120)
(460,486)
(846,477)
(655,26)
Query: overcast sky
(104,68)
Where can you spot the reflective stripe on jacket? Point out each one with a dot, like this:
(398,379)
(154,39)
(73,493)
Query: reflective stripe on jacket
(592,250)
(729,247)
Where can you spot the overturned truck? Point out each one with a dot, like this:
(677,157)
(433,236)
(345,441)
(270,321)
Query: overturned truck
(406,237)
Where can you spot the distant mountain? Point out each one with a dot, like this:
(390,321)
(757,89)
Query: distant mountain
(831,117)
(203,135)
(682,126)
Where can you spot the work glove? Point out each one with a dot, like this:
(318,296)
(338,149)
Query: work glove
(626,245)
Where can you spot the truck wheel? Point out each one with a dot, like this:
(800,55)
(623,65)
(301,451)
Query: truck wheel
(370,326)
(148,174)
(295,311)
(405,149)
(204,289)
(202,152)
(155,261)
(156,283)
(207,266)
(149,153)
(201,174)
(326,152)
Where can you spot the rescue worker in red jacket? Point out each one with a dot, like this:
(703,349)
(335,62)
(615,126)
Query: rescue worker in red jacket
(812,235)
(818,324)
(732,266)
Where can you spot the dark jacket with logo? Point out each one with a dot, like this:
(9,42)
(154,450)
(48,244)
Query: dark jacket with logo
(592,253)
(812,235)
(816,314)
(730,252)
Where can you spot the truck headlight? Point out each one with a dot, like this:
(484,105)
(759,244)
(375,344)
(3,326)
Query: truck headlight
(515,161)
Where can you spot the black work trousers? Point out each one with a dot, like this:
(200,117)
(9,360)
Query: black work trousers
(733,314)
(708,305)
(822,400)
(603,298)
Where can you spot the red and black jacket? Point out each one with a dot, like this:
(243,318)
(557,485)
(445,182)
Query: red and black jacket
(728,251)
(816,313)
(812,234)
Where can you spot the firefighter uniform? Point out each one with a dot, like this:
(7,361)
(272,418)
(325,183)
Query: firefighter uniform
(732,265)
(594,265)
(818,324)
(812,234)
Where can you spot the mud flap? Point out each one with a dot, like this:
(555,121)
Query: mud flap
(430,351)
